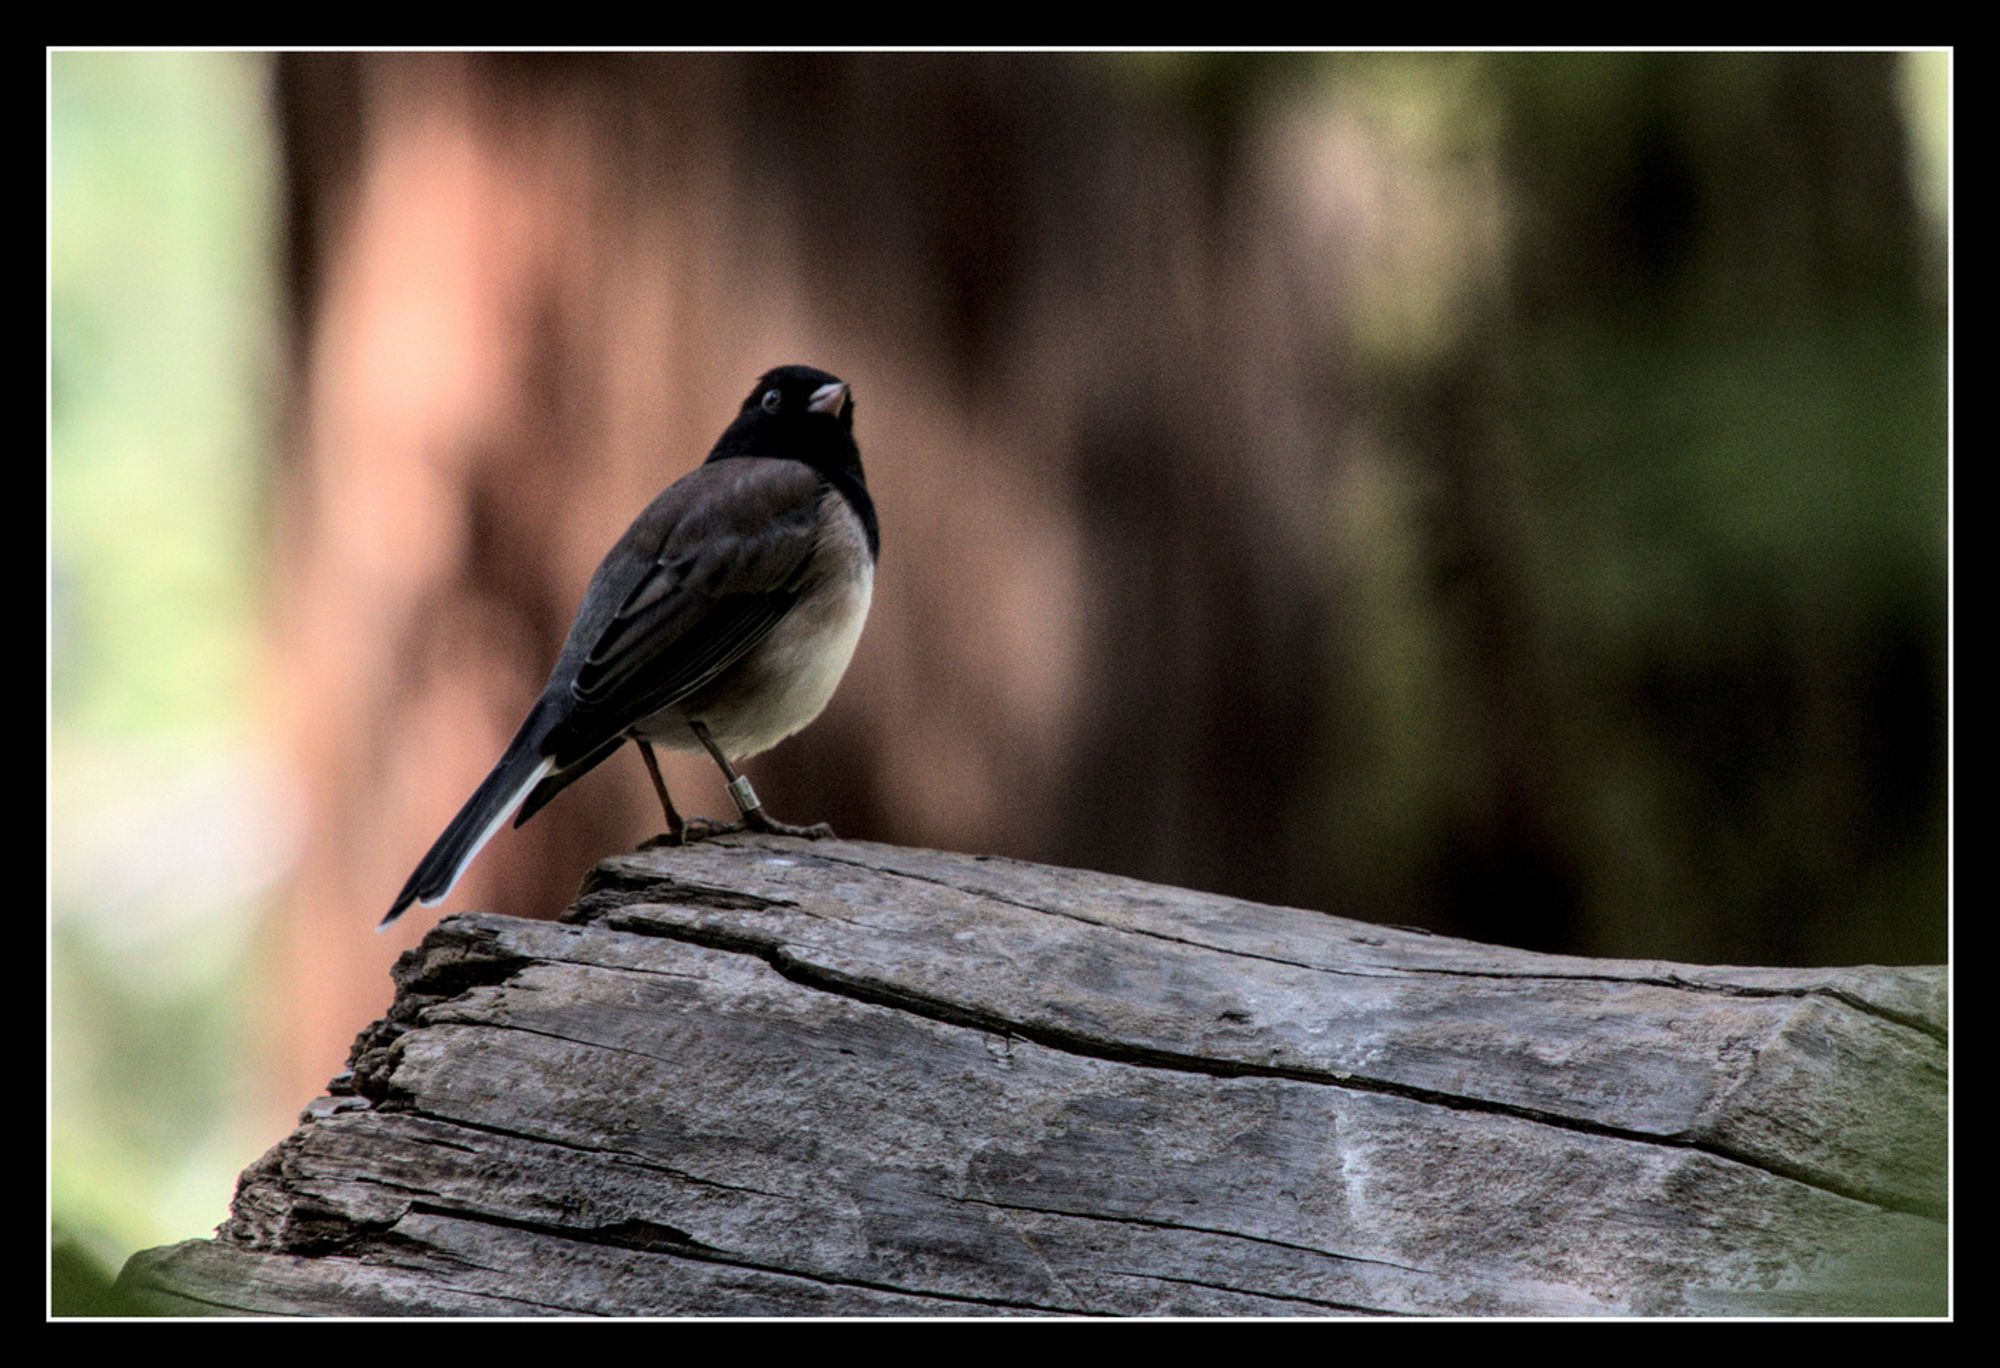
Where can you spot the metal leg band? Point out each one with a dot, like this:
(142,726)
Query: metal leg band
(745,796)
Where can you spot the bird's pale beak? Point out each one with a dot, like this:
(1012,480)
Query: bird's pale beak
(829,398)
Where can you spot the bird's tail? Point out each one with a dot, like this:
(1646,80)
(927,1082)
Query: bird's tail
(519,770)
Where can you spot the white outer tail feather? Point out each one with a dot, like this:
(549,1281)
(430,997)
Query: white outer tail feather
(514,800)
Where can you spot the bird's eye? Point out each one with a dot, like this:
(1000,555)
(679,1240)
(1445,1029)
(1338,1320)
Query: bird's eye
(771,400)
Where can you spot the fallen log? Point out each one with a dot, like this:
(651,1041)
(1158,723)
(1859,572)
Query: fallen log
(761,1076)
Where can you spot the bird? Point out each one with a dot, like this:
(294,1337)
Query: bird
(721,621)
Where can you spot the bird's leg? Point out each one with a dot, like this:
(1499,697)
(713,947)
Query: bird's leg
(680,831)
(676,829)
(753,812)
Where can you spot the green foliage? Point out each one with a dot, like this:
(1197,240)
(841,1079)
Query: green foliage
(162,336)
(1684,473)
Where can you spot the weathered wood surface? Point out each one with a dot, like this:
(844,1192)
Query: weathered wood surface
(761,1076)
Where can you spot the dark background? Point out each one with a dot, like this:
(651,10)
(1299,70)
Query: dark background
(1504,494)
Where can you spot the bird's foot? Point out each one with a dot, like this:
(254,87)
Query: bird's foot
(756,820)
(692,830)
(701,828)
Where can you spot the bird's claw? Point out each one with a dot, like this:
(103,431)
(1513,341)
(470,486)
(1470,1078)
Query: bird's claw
(692,830)
(770,826)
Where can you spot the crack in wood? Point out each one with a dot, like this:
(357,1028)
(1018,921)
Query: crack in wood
(467,1018)
(557,1142)
(649,1237)
(1931,1029)
(608,885)
(1261,1294)
(694,1251)
(810,975)
(1028,1243)
(1150,1223)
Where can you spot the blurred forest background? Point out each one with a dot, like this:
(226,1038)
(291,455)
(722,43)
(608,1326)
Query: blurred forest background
(1504,494)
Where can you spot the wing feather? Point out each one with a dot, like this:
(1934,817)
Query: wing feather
(701,578)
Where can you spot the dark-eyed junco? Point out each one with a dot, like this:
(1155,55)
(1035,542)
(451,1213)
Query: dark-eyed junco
(722,620)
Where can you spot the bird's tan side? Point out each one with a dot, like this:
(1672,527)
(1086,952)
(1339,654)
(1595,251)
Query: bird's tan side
(787,678)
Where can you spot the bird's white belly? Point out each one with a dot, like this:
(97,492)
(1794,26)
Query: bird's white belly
(782,684)
(803,659)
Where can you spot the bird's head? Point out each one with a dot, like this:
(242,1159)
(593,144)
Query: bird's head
(798,413)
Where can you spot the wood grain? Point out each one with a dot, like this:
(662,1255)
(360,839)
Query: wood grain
(766,1077)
